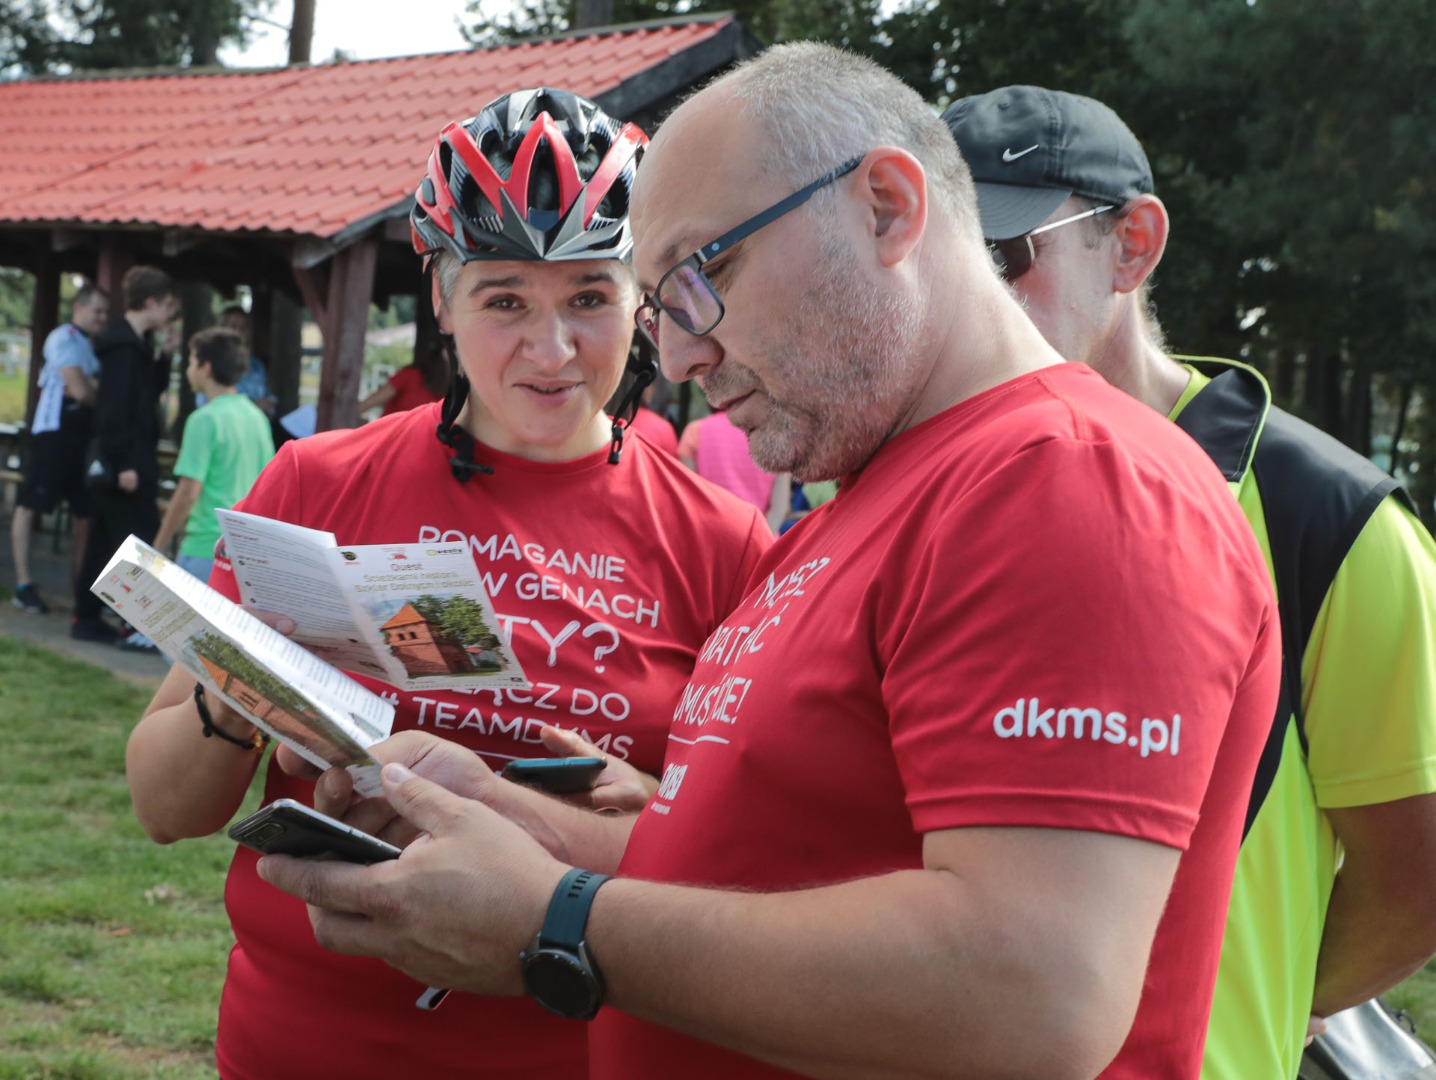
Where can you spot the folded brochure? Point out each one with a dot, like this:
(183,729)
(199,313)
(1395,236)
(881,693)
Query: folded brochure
(416,616)
(300,700)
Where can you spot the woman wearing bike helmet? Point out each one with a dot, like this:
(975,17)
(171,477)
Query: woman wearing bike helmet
(606,560)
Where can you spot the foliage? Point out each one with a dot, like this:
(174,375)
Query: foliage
(459,618)
(1292,141)
(112,948)
(17,296)
(44,36)
(1306,134)
(852,23)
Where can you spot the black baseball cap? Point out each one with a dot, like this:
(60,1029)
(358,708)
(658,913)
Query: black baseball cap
(1030,148)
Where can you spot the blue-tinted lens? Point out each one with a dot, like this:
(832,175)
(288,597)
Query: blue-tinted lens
(689,299)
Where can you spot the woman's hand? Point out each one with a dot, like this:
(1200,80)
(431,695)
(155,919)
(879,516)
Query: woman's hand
(619,787)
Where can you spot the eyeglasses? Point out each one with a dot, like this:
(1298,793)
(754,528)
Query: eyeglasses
(686,295)
(1013,258)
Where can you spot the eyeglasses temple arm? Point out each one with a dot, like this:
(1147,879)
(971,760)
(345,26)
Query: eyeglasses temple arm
(774,212)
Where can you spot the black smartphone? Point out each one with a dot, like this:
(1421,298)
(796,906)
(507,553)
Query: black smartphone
(286,827)
(561,776)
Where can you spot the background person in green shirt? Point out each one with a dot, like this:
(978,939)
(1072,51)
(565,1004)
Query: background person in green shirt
(226,445)
(1065,196)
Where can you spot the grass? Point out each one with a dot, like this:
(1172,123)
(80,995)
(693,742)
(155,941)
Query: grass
(112,948)
(12,397)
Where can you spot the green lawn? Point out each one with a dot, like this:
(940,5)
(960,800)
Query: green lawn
(12,397)
(112,948)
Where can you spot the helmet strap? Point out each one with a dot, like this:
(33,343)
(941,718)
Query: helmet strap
(462,463)
(645,373)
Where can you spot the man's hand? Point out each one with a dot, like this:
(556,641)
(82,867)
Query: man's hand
(128,481)
(453,767)
(619,787)
(569,833)
(454,910)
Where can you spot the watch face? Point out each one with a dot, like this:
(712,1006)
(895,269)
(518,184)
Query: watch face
(561,983)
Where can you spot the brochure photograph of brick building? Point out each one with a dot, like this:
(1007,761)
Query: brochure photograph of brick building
(443,635)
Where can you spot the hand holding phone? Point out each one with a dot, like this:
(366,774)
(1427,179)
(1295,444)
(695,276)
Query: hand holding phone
(559,776)
(286,827)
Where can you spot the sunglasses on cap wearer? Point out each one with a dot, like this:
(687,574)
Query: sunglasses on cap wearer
(1014,257)
(684,292)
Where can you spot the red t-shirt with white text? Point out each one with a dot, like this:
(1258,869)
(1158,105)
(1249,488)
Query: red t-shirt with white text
(607,580)
(1041,607)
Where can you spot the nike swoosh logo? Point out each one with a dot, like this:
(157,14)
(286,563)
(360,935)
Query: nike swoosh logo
(1008,155)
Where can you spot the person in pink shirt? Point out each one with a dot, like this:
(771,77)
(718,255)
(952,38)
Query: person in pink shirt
(718,451)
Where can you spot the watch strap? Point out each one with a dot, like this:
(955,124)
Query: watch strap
(568,910)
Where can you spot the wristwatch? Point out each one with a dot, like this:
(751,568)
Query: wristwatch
(557,971)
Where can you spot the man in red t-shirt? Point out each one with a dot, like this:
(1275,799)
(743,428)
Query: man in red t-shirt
(952,790)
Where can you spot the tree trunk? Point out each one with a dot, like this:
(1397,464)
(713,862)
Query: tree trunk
(196,314)
(1403,409)
(1357,428)
(301,32)
(1283,377)
(203,39)
(1322,392)
(591,13)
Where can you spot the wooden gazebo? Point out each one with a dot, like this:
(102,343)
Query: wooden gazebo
(296,182)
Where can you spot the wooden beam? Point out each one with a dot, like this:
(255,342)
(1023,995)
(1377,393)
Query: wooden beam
(313,285)
(351,287)
(286,357)
(65,239)
(398,230)
(44,317)
(176,242)
(426,328)
(115,259)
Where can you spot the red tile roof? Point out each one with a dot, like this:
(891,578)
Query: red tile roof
(304,151)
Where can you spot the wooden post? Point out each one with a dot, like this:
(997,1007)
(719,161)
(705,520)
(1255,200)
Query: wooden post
(426,326)
(115,259)
(44,317)
(351,287)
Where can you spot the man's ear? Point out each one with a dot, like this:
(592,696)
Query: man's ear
(893,188)
(1142,237)
(441,312)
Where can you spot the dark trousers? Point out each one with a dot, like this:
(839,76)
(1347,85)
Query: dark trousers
(116,516)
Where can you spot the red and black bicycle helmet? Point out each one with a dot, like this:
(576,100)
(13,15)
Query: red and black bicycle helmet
(538,174)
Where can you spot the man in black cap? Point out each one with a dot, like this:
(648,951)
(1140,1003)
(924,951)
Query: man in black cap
(1067,205)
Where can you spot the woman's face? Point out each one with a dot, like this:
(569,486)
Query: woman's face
(543,345)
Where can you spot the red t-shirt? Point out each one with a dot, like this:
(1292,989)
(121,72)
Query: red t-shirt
(1041,607)
(409,391)
(655,429)
(609,579)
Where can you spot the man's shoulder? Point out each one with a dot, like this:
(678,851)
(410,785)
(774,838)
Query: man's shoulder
(116,336)
(66,345)
(1045,413)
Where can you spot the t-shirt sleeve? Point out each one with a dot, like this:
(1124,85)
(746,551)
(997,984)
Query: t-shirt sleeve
(72,350)
(196,447)
(1369,671)
(1058,662)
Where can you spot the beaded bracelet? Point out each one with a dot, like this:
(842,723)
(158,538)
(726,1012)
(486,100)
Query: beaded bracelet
(256,742)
